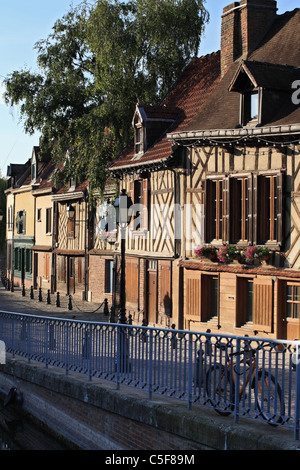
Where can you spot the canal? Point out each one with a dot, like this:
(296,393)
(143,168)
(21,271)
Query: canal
(18,432)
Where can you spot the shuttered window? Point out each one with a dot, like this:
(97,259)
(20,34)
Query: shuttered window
(263,305)
(201,296)
(247,208)
(132,280)
(138,192)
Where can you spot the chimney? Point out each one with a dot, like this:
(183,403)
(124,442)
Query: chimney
(243,25)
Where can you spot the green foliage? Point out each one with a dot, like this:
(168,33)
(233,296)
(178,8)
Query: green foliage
(96,64)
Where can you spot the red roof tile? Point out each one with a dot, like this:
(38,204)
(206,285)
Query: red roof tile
(187,96)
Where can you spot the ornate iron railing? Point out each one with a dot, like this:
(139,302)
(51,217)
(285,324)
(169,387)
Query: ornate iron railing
(249,377)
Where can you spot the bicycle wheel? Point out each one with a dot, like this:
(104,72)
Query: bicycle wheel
(269,400)
(220,389)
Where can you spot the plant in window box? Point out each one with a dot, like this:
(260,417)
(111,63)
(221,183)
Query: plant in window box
(229,253)
(256,254)
(109,237)
(207,252)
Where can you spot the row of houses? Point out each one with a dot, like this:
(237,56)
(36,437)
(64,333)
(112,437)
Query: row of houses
(213,176)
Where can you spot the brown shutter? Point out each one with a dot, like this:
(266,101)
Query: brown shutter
(279,208)
(226,211)
(250,209)
(263,305)
(254,210)
(132,280)
(192,304)
(166,287)
(145,204)
(79,271)
(209,223)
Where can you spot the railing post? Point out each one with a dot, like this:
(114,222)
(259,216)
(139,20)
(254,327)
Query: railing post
(118,357)
(297,396)
(237,382)
(190,372)
(150,364)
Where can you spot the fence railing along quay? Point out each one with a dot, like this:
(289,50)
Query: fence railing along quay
(249,377)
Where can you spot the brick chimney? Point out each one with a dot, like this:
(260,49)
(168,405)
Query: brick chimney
(243,25)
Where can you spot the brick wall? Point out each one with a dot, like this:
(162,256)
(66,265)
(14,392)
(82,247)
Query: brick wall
(243,24)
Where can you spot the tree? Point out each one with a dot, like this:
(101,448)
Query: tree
(96,64)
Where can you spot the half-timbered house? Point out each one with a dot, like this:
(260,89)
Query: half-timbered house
(243,168)
(71,215)
(149,169)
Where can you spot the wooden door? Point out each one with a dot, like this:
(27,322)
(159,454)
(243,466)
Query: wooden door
(71,276)
(36,271)
(152,295)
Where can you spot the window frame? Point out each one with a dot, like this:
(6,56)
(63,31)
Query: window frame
(251,210)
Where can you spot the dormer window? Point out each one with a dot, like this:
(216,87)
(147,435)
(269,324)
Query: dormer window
(138,139)
(250,109)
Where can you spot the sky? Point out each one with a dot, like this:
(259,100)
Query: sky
(24,22)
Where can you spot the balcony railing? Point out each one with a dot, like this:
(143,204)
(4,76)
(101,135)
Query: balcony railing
(254,378)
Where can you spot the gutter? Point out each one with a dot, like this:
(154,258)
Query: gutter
(236,133)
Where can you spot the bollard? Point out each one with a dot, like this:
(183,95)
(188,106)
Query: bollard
(70,303)
(12,287)
(40,295)
(31,293)
(105,310)
(48,298)
(23,289)
(57,300)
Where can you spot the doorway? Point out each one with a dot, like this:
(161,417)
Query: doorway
(71,276)
(152,291)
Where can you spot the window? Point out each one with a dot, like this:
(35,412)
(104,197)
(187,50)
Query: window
(245,209)
(48,221)
(39,215)
(138,139)
(71,225)
(293,300)
(267,208)
(215,210)
(209,297)
(251,110)
(109,276)
(245,291)
(21,222)
(239,209)
(138,193)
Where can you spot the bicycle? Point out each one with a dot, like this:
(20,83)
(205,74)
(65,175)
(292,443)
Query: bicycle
(221,386)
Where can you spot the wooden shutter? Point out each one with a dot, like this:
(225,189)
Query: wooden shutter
(166,287)
(192,297)
(226,211)
(279,207)
(46,266)
(210,210)
(263,305)
(250,209)
(132,280)
(145,204)
(79,270)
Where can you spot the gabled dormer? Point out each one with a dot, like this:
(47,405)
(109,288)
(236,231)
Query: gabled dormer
(264,89)
(149,124)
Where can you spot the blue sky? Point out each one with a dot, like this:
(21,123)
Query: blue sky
(24,22)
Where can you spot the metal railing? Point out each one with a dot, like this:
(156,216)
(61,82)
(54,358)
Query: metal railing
(249,377)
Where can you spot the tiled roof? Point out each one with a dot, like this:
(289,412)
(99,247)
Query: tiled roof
(186,98)
(280,46)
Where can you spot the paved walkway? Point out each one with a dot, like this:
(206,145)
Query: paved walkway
(81,310)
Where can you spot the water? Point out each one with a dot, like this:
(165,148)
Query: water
(18,432)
